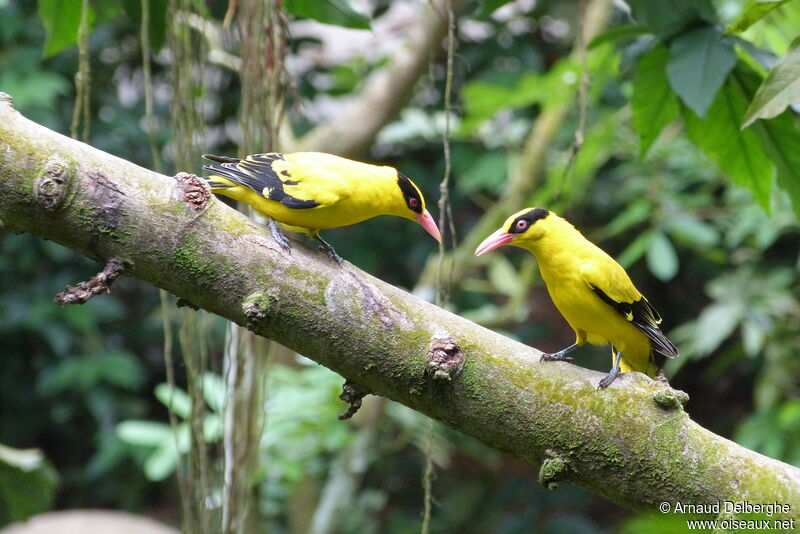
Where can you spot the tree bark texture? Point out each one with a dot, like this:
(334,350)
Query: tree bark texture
(632,443)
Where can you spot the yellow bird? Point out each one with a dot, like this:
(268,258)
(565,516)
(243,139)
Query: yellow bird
(311,191)
(591,290)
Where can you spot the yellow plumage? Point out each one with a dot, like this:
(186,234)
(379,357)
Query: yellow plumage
(312,191)
(591,290)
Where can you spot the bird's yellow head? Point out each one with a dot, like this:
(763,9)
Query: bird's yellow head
(520,229)
(413,206)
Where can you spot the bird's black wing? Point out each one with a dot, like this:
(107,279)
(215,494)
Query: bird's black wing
(255,172)
(645,318)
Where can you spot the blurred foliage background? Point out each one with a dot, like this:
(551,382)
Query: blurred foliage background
(702,214)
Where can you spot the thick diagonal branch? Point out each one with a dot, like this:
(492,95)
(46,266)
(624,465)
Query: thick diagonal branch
(632,443)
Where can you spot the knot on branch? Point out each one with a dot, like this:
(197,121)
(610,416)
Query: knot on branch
(352,394)
(255,308)
(100,283)
(555,468)
(670,399)
(51,186)
(192,190)
(445,358)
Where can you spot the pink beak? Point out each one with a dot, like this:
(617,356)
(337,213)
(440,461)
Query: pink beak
(496,240)
(426,221)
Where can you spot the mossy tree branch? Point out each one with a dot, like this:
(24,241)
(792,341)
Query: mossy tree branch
(632,443)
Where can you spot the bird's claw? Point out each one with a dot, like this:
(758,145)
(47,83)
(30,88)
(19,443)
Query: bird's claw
(332,254)
(606,380)
(556,357)
(278,235)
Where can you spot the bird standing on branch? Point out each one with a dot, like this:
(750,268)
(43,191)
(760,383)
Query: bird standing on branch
(591,290)
(311,191)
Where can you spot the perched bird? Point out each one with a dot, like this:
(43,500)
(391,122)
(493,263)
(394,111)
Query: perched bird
(311,191)
(591,290)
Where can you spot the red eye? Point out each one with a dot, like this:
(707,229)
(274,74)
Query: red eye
(413,202)
(522,224)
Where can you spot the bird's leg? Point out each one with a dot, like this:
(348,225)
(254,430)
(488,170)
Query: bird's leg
(560,356)
(606,380)
(325,246)
(277,234)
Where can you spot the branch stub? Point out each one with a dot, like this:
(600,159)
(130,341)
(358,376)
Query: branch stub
(445,358)
(51,186)
(193,191)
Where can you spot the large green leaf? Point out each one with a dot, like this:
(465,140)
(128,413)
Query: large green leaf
(738,153)
(61,19)
(780,138)
(336,12)
(27,484)
(779,90)
(752,14)
(698,64)
(654,104)
(668,17)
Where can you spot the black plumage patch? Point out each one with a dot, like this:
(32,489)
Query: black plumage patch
(645,318)
(526,220)
(410,193)
(256,173)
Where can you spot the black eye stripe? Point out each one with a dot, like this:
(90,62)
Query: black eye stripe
(410,193)
(528,218)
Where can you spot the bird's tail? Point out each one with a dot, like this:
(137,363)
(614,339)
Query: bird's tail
(215,180)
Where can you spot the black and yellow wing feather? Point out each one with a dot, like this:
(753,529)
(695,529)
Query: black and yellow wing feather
(614,288)
(259,173)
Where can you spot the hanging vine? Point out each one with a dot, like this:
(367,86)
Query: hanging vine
(80,113)
(262,77)
(447,225)
(186,79)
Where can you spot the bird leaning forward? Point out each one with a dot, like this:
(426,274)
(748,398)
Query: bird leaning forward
(591,290)
(311,191)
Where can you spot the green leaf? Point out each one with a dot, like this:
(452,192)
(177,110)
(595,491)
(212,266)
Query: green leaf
(162,462)
(779,90)
(661,257)
(668,17)
(715,324)
(487,7)
(61,19)
(698,64)
(618,33)
(502,275)
(336,12)
(753,14)
(780,138)
(214,391)
(144,433)
(738,153)
(635,250)
(688,229)
(27,484)
(158,19)
(654,104)
(174,398)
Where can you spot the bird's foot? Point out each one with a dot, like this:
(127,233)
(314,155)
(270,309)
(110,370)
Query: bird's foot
(606,380)
(559,356)
(278,235)
(332,254)
(328,249)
